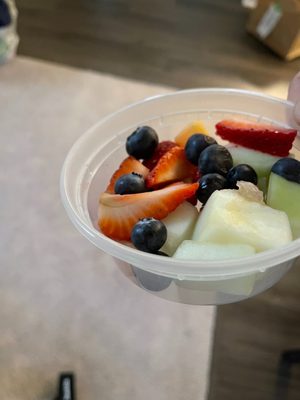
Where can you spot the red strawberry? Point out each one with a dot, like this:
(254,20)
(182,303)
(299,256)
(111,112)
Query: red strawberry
(119,213)
(193,178)
(193,200)
(160,150)
(130,164)
(172,166)
(266,138)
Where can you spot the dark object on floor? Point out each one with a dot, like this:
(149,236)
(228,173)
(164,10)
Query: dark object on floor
(66,386)
(287,360)
(5,18)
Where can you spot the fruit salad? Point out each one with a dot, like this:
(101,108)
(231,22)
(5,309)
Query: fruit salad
(196,199)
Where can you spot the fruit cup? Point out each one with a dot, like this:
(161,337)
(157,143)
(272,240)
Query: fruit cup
(97,154)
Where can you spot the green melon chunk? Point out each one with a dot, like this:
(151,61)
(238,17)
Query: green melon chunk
(180,224)
(230,218)
(284,195)
(193,250)
(262,184)
(261,162)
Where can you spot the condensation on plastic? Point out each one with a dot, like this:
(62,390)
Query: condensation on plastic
(97,154)
(9,38)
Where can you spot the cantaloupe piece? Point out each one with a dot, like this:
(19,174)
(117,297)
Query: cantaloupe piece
(189,130)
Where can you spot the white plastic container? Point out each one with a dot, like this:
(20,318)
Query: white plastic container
(95,156)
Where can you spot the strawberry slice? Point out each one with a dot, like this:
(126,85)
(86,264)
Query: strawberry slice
(266,138)
(193,200)
(172,166)
(118,214)
(160,150)
(130,164)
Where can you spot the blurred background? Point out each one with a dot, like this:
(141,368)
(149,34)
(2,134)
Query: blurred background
(181,43)
(78,60)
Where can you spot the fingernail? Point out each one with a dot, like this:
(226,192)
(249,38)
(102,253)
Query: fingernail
(294,89)
(297,112)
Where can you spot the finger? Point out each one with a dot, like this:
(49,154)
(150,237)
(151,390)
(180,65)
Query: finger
(297,112)
(294,96)
(294,89)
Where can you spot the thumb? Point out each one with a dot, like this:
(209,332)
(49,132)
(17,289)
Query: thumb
(297,112)
(294,96)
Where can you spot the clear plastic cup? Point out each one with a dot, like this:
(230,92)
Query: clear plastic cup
(95,156)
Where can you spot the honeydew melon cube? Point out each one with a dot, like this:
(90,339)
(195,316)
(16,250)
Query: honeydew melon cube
(193,250)
(261,162)
(180,225)
(229,217)
(284,195)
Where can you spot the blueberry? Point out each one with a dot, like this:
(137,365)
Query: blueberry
(288,168)
(149,234)
(142,142)
(242,172)
(130,183)
(215,158)
(208,184)
(151,281)
(195,145)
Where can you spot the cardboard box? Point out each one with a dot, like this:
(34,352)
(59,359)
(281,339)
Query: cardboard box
(277,25)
